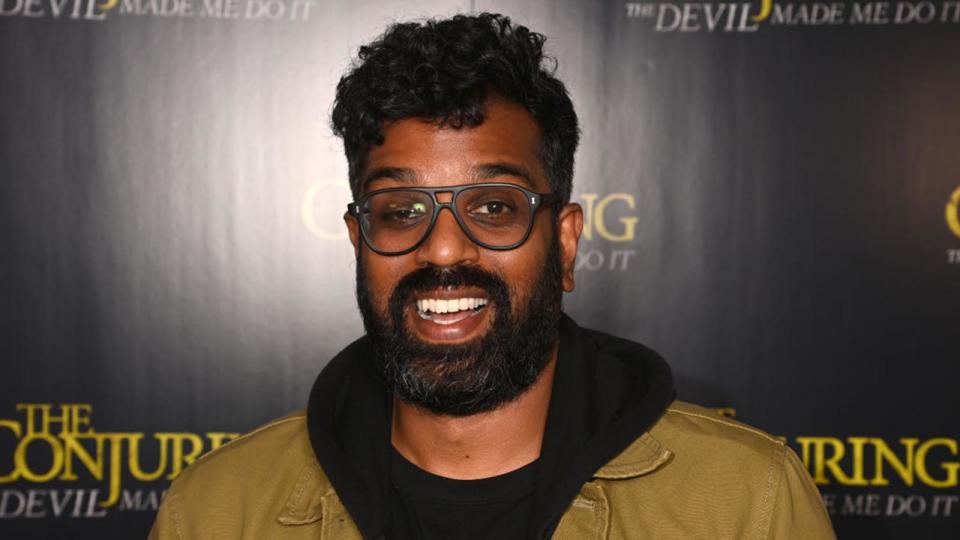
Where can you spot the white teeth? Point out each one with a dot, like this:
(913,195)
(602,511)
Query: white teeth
(439,305)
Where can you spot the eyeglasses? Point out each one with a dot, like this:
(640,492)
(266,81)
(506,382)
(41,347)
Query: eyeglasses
(494,216)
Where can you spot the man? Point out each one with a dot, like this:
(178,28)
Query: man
(473,408)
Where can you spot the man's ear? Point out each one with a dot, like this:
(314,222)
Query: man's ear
(569,227)
(353,229)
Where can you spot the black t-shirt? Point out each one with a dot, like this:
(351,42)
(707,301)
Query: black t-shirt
(427,506)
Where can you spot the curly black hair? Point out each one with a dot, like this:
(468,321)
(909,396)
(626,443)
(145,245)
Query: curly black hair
(444,71)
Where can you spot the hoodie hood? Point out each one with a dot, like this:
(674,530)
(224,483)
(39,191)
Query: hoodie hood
(607,391)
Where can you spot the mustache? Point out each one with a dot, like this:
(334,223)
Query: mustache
(435,277)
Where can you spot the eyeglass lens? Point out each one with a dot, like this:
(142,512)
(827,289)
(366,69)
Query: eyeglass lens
(493,216)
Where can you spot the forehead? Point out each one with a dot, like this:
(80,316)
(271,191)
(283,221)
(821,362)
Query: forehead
(505,147)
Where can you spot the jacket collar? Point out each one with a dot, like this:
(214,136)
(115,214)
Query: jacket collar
(644,456)
(306,500)
(305,503)
(607,394)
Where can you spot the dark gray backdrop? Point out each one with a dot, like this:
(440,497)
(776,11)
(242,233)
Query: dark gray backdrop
(768,209)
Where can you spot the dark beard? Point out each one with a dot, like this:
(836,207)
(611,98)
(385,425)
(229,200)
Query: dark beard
(472,377)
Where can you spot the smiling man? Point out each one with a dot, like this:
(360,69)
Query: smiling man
(473,408)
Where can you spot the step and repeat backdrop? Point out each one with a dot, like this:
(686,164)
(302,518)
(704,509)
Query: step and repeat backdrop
(771,193)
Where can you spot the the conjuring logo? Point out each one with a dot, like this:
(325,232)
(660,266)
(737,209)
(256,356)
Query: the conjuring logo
(953,223)
(609,231)
(911,477)
(321,209)
(58,466)
(880,470)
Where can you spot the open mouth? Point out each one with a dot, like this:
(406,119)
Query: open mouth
(450,316)
(449,311)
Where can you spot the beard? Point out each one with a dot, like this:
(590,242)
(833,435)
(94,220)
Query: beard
(473,377)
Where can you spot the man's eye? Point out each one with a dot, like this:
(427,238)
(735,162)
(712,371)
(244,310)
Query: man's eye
(491,208)
(399,214)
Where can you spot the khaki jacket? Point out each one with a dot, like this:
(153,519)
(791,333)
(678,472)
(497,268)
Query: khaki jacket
(693,475)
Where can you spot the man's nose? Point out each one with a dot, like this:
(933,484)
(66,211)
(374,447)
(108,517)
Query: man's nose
(447,244)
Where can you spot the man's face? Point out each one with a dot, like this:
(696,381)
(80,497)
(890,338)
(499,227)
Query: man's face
(486,354)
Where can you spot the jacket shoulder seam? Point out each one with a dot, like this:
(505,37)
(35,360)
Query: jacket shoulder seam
(728,424)
(268,425)
(774,479)
(175,515)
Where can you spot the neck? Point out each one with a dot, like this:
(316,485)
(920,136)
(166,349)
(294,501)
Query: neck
(477,446)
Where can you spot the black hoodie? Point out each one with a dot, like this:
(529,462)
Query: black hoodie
(607,392)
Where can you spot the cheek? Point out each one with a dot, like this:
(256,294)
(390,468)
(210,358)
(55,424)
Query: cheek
(382,275)
(523,267)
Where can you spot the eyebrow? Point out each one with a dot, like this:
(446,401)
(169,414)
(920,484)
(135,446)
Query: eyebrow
(484,171)
(400,174)
(490,171)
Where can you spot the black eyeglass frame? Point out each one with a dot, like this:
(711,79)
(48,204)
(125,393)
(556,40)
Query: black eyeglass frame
(536,201)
